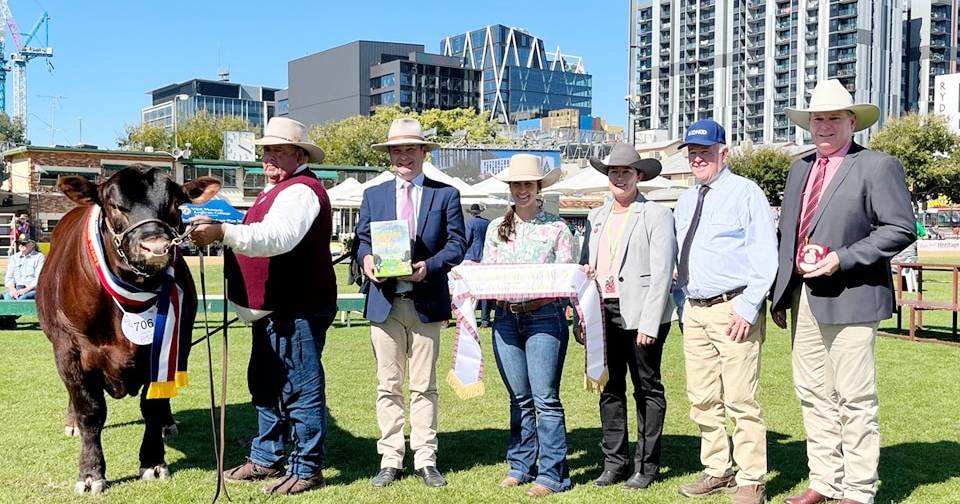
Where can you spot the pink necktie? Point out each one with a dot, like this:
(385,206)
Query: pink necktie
(406,208)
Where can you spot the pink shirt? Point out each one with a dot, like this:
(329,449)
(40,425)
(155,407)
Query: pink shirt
(608,246)
(833,164)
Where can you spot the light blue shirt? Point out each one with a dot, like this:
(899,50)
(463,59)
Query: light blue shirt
(735,244)
(24,269)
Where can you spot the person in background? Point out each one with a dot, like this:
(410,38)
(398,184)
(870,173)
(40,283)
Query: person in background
(23,270)
(476,233)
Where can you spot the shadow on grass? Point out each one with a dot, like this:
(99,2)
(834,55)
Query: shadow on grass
(905,467)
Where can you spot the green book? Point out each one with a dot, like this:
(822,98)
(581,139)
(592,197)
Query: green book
(391,248)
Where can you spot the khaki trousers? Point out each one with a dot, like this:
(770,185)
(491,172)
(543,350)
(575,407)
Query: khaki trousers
(400,340)
(835,377)
(722,379)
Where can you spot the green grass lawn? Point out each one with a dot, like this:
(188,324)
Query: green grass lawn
(937,286)
(213,274)
(920,424)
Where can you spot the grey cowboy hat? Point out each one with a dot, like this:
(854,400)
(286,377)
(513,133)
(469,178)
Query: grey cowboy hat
(624,155)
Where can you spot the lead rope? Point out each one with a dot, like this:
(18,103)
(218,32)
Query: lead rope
(218,441)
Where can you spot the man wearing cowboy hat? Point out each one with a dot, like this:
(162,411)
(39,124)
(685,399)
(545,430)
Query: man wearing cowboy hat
(281,279)
(728,259)
(476,233)
(846,211)
(406,314)
(630,248)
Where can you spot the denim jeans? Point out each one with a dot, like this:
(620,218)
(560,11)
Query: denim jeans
(530,350)
(30,295)
(287,383)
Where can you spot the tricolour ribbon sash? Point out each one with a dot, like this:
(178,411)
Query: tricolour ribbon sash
(168,368)
(469,283)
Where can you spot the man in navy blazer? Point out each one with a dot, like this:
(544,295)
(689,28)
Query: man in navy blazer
(407,313)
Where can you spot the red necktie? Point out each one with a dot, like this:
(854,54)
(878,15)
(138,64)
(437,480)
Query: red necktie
(813,199)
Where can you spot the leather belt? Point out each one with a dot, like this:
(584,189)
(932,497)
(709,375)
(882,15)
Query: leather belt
(722,298)
(528,306)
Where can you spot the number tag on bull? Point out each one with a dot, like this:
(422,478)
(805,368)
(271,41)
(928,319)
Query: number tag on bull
(139,327)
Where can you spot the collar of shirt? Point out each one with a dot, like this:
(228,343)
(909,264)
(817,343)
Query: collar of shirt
(722,178)
(299,169)
(417,181)
(838,154)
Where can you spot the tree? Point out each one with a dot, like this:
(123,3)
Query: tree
(925,146)
(348,141)
(767,166)
(203,132)
(140,136)
(12,133)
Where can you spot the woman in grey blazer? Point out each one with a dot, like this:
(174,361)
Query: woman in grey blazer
(630,248)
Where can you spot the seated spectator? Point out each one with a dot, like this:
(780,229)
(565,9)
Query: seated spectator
(23,269)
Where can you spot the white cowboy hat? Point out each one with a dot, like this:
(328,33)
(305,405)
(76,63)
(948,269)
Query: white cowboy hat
(283,131)
(831,96)
(405,131)
(526,167)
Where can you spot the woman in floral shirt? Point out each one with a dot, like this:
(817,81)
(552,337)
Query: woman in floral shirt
(530,337)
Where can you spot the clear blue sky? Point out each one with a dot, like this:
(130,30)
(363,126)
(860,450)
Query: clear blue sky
(108,53)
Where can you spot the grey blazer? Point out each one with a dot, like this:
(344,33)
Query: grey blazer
(865,216)
(646,259)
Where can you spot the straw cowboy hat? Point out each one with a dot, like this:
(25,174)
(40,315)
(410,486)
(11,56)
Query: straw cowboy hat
(831,96)
(405,131)
(526,167)
(624,155)
(283,131)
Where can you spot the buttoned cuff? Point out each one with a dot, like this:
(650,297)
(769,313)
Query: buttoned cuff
(745,309)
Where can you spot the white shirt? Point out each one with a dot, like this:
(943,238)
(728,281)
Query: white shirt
(416,194)
(285,224)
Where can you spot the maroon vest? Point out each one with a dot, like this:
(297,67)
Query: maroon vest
(299,281)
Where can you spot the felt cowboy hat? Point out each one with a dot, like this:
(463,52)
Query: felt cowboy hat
(284,131)
(526,167)
(405,131)
(831,96)
(624,155)
(476,209)
(24,238)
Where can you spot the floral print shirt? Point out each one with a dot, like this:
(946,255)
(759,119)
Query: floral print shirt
(544,239)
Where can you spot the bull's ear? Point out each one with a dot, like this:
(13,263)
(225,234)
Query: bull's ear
(201,189)
(79,190)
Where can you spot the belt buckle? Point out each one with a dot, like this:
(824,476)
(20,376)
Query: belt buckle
(516,308)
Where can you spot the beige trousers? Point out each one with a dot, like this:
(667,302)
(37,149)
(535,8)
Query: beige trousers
(400,340)
(722,379)
(835,377)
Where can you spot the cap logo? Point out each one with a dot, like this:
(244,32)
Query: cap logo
(697,132)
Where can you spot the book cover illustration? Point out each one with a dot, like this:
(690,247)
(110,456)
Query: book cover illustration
(391,248)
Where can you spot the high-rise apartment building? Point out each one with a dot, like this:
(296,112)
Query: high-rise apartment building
(741,62)
(930,41)
(177,103)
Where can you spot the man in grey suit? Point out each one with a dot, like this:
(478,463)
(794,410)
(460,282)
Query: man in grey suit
(630,248)
(846,211)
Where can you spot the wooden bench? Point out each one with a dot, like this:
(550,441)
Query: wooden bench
(346,303)
(919,305)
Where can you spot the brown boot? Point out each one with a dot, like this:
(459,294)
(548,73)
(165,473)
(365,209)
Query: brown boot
(707,485)
(750,494)
(509,482)
(290,485)
(251,471)
(537,490)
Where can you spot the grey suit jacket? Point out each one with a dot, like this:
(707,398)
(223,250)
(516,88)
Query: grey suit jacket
(865,216)
(645,260)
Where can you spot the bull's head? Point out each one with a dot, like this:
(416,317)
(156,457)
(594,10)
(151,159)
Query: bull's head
(140,209)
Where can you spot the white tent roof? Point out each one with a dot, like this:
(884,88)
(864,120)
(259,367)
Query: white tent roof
(492,185)
(592,181)
(342,188)
(468,195)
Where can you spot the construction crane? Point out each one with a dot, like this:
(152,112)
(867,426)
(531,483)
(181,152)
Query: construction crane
(19,59)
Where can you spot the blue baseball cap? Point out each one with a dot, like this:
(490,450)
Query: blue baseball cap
(704,132)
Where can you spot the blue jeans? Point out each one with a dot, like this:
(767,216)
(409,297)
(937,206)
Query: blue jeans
(30,295)
(530,349)
(287,383)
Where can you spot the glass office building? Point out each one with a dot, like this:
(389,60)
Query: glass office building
(179,102)
(519,79)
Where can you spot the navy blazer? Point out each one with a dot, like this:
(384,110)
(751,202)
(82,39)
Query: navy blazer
(440,242)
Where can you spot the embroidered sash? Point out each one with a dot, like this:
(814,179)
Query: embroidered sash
(149,318)
(469,283)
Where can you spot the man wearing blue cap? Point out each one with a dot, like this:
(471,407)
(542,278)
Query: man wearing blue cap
(728,260)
